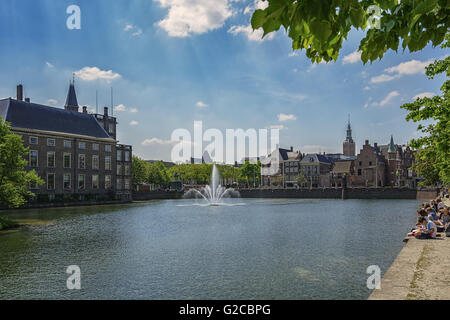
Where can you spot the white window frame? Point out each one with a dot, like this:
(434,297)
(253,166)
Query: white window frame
(51,145)
(54,159)
(70,181)
(54,181)
(33,137)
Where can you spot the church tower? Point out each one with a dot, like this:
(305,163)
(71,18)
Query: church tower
(349,147)
(71,101)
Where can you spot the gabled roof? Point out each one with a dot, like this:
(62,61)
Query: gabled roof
(284,153)
(315,157)
(34,116)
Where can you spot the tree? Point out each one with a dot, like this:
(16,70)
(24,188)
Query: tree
(433,157)
(301,179)
(320,27)
(140,171)
(158,175)
(14,180)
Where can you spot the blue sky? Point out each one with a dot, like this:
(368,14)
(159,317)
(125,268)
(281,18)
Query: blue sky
(171,62)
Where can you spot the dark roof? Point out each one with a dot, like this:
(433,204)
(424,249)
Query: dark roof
(316,157)
(324,159)
(34,116)
(71,100)
(284,153)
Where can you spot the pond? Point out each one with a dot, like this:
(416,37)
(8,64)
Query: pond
(174,249)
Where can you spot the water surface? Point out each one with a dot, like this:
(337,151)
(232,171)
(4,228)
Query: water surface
(260,249)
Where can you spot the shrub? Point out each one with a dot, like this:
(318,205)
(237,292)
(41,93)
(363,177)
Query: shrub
(7,223)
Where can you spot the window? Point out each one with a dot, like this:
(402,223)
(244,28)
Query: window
(50,181)
(51,142)
(95,147)
(81,181)
(67,144)
(370,163)
(33,158)
(66,181)
(360,163)
(127,170)
(119,184)
(111,129)
(67,159)
(95,162)
(34,140)
(359,172)
(81,161)
(107,182)
(108,148)
(51,159)
(82,145)
(95,181)
(119,155)
(127,184)
(127,156)
(119,169)
(108,163)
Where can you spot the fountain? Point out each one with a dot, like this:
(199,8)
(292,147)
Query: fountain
(214,192)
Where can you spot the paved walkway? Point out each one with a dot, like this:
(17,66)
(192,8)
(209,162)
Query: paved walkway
(420,272)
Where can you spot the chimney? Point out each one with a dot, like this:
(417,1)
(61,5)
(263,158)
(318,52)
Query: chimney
(292,149)
(375,145)
(84,109)
(20,92)
(27,100)
(105,111)
(367,142)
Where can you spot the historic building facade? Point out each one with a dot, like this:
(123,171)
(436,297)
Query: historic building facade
(349,146)
(316,169)
(370,166)
(75,153)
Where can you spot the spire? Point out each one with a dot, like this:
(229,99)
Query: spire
(71,101)
(392,145)
(349,130)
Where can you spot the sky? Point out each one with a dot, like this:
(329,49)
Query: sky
(173,62)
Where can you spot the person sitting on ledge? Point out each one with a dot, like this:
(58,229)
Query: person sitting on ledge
(428,229)
(445,218)
(432,215)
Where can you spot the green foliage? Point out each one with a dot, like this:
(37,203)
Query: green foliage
(433,157)
(14,180)
(301,179)
(158,175)
(7,223)
(140,171)
(251,173)
(320,26)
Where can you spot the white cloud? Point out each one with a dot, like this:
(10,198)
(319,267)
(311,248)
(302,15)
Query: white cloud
(120,108)
(285,117)
(135,31)
(409,67)
(382,78)
(386,100)
(123,108)
(157,141)
(186,17)
(134,123)
(405,68)
(52,102)
(366,88)
(353,57)
(49,64)
(201,104)
(423,95)
(252,35)
(94,73)
(313,149)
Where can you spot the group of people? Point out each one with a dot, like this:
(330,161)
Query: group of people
(432,217)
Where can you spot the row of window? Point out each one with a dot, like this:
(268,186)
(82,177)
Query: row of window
(68,144)
(67,162)
(81,185)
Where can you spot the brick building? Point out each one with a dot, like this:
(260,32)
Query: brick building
(370,166)
(75,153)
(316,169)
(349,146)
